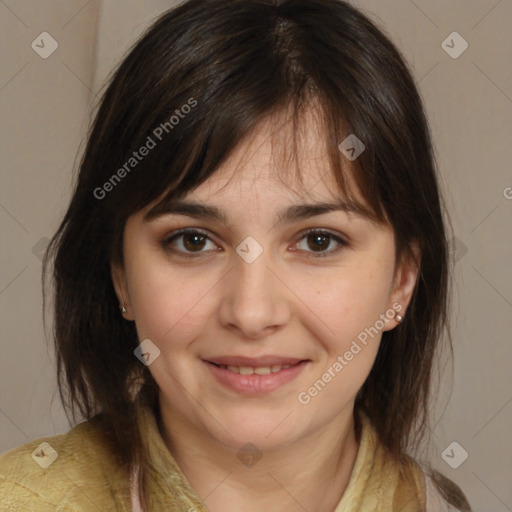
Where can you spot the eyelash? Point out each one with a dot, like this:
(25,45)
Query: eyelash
(342,243)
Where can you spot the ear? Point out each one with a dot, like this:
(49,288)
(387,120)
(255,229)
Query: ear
(121,288)
(404,283)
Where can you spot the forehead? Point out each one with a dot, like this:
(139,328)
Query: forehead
(280,158)
(283,165)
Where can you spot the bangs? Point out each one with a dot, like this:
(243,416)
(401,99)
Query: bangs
(286,131)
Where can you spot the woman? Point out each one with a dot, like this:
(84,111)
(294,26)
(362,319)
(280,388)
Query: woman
(259,199)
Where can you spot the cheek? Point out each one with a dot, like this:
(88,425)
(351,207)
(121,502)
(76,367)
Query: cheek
(346,301)
(347,309)
(169,303)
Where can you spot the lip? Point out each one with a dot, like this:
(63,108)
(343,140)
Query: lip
(254,362)
(255,384)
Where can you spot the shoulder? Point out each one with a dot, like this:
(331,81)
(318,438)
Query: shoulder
(71,472)
(442,494)
(412,483)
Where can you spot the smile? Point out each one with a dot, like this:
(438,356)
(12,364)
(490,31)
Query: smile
(254,377)
(260,370)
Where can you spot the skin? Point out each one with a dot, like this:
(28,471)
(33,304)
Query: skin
(287,302)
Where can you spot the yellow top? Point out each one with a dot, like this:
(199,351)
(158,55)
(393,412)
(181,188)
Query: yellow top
(76,472)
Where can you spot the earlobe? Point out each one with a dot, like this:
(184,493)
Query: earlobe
(405,282)
(119,282)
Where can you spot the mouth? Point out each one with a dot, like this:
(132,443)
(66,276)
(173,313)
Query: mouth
(255,375)
(258,370)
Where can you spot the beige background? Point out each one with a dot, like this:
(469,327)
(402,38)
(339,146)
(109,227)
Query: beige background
(45,106)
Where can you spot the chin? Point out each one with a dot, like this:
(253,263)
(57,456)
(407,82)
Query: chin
(267,432)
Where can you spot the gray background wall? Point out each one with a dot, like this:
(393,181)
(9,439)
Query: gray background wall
(45,106)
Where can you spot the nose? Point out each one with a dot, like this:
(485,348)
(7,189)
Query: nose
(255,302)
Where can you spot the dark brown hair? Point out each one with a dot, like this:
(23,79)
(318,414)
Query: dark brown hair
(235,63)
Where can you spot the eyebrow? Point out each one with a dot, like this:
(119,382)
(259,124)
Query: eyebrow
(291,214)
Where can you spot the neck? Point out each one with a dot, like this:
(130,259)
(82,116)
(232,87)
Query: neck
(309,474)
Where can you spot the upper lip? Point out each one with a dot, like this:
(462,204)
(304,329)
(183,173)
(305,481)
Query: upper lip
(254,362)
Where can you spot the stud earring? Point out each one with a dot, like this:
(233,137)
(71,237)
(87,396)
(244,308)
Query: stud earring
(123,309)
(398,318)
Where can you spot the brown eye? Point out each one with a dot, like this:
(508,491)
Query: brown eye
(193,241)
(189,242)
(318,243)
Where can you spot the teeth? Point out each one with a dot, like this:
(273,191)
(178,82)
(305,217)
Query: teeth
(261,370)
(264,370)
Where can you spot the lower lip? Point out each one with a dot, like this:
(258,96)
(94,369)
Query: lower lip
(255,384)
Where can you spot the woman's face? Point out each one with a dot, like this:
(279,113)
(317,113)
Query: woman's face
(247,292)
